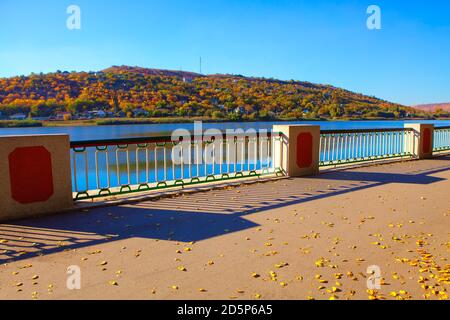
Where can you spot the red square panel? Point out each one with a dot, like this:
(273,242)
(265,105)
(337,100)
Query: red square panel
(304,150)
(30,171)
(427,141)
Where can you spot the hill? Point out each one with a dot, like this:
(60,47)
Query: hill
(433,107)
(151,72)
(142,92)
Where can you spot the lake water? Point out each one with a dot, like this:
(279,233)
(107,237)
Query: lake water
(80,133)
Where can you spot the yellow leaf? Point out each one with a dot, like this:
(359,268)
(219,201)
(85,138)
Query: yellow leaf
(393,294)
(319,263)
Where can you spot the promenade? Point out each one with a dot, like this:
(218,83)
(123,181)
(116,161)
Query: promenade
(298,238)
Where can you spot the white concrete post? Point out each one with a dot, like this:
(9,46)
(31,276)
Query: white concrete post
(35,174)
(421,145)
(297,154)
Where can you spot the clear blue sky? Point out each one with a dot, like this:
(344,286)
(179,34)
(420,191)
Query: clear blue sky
(408,61)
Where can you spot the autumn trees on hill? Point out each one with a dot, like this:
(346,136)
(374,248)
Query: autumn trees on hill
(136,93)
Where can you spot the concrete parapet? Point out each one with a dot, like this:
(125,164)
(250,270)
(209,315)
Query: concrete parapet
(297,154)
(36,175)
(421,145)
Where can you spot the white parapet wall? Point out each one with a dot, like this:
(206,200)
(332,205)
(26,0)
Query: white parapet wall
(421,146)
(297,154)
(35,175)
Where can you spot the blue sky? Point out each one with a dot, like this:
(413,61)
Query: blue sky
(407,61)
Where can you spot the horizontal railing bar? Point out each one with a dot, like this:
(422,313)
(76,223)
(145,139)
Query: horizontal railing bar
(145,187)
(375,158)
(442,128)
(364,130)
(141,140)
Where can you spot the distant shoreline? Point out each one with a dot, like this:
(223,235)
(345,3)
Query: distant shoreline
(170,120)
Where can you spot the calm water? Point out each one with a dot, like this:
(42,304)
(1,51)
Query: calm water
(129,131)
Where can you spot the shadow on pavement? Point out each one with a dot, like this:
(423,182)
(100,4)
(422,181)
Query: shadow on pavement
(189,218)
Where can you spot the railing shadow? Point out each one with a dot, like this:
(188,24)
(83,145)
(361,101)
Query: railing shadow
(194,217)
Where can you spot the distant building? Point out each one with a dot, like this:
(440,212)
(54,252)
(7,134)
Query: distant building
(214,101)
(18,116)
(82,116)
(140,112)
(101,114)
(120,114)
(187,79)
(60,116)
(240,110)
(95,114)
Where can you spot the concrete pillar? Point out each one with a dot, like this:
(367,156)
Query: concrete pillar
(421,145)
(35,175)
(297,153)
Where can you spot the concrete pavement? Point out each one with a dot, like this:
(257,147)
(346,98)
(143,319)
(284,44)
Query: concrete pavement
(304,238)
